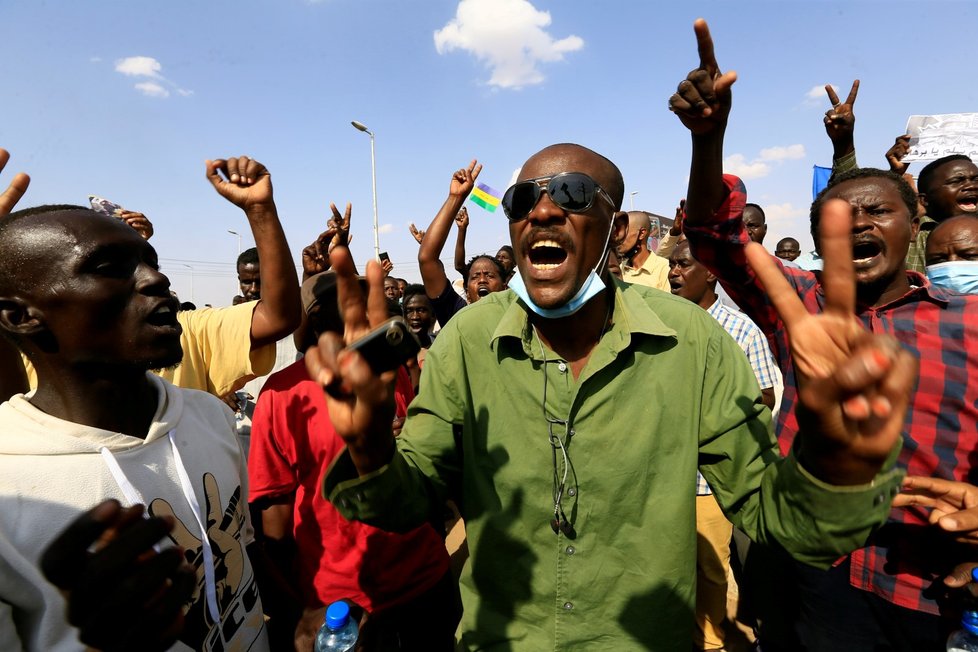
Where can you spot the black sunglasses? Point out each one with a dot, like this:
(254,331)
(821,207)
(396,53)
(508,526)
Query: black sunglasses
(571,191)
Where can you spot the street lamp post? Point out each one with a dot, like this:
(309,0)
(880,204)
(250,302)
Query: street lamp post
(373,173)
(631,200)
(191,268)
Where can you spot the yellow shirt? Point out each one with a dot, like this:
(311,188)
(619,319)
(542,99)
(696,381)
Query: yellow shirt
(654,273)
(217,355)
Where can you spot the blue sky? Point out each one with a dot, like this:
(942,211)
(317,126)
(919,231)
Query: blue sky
(440,82)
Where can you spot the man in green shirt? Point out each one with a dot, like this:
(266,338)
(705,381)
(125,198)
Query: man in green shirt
(581,527)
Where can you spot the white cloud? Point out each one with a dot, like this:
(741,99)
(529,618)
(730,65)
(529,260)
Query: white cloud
(783,153)
(95,59)
(760,166)
(152,89)
(150,68)
(783,212)
(738,165)
(385,228)
(139,67)
(816,95)
(508,36)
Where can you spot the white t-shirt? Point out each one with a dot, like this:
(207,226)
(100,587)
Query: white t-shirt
(52,470)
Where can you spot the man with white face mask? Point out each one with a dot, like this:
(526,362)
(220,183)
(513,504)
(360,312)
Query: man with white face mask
(952,254)
(582,533)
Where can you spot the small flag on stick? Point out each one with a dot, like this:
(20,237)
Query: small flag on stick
(485,196)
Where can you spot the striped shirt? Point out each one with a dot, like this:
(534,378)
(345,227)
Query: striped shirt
(940,328)
(750,338)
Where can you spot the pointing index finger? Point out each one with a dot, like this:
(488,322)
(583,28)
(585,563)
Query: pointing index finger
(852,93)
(838,273)
(704,43)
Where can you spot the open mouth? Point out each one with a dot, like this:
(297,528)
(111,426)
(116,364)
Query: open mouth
(865,252)
(675,286)
(165,315)
(968,203)
(547,254)
(483,291)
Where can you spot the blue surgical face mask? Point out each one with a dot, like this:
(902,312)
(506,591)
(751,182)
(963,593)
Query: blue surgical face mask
(592,287)
(958,275)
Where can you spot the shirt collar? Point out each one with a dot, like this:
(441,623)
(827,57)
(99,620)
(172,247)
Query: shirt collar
(921,289)
(632,315)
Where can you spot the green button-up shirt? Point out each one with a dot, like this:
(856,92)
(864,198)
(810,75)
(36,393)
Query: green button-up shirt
(666,390)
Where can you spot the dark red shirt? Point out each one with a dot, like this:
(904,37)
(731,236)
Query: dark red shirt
(905,560)
(292,443)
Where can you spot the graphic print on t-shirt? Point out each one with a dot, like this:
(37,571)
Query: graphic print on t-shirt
(237,591)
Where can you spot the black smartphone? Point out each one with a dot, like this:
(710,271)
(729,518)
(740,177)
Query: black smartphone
(388,346)
(383,256)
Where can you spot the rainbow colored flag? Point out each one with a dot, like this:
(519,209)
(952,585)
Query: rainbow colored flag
(486,197)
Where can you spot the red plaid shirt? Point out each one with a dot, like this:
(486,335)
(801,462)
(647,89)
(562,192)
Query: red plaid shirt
(904,561)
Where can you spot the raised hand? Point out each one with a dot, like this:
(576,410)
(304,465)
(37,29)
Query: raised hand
(16,189)
(315,257)
(677,224)
(387,266)
(462,218)
(341,225)
(417,234)
(245,182)
(853,387)
(840,121)
(702,100)
(139,222)
(894,155)
(361,403)
(463,180)
(121,593)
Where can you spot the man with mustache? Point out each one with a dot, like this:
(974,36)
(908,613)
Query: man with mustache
(582,533)
(874,599)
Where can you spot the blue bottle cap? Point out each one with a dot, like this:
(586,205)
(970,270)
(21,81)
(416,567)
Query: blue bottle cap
(337,614)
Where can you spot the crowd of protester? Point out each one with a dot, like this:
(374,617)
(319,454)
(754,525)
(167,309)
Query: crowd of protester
(599,443)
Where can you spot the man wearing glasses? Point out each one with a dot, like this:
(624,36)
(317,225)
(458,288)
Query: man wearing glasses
(581,531)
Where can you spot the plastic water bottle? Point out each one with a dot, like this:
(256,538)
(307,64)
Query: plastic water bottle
(339,631)
(966,638)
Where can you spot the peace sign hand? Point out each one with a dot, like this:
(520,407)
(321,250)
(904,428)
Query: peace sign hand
(840,121)
(463,181)
(702,101)
(853,386)
(360,402)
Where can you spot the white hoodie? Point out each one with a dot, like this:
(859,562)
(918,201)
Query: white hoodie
(52,470)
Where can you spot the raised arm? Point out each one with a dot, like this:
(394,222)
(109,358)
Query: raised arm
(702,102)
(840,125)
(432,271)
(462,219)
(247,184)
